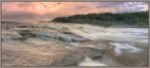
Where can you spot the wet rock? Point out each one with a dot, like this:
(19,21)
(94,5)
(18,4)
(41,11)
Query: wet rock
(92,52)
(26,33)
(19,39)
(10,35)
(75,56)
(68,38)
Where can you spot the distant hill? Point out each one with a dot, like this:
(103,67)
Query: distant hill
(138,19)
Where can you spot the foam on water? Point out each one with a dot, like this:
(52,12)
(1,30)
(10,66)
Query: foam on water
(118,47)
(90,62)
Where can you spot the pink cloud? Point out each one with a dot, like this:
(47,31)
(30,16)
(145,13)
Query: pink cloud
(39,10)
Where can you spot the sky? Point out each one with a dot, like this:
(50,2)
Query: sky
(37,11)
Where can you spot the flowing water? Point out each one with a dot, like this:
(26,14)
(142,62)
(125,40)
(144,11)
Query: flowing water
(124,41)
(123,46)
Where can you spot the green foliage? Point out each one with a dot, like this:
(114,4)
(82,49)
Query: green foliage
(61,19)
(137,19)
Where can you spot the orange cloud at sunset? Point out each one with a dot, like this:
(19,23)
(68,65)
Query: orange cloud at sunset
(47,10)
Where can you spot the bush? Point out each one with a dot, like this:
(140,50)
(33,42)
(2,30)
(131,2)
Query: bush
(137,18)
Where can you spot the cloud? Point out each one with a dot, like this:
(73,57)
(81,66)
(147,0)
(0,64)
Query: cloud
(46,10)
